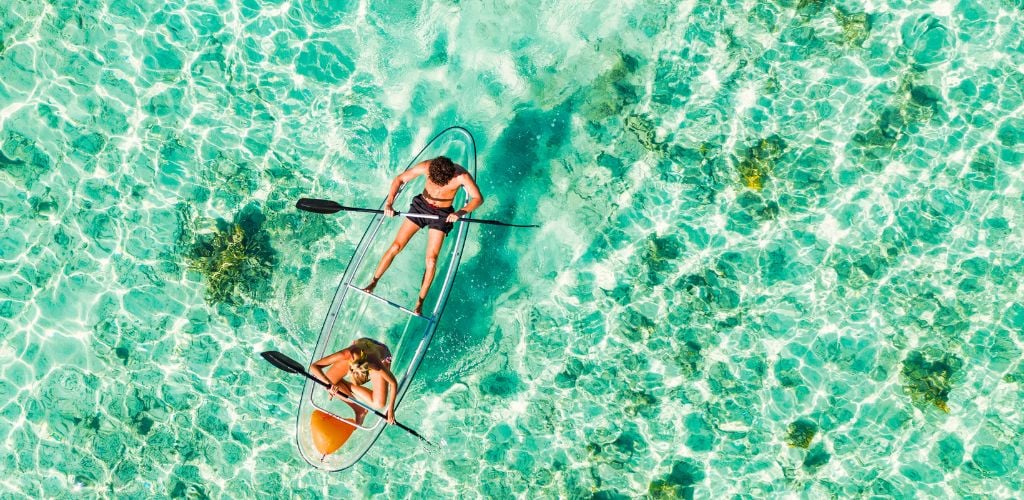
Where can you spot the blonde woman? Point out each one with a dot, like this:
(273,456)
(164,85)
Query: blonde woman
(365,360)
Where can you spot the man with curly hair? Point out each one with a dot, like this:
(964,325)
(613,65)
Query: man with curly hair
(444,178)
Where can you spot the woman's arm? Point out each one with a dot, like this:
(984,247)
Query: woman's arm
(317,367)
(389,378)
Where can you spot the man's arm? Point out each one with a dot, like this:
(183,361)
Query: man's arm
(475,199)
(399,181)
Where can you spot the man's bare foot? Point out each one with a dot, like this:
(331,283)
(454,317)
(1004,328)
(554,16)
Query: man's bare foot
(360,415)
(373,284)
(419,307)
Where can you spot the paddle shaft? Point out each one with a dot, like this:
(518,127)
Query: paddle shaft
(330,207)
(427,216)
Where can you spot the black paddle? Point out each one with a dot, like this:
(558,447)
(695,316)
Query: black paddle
(291,366)
(330,207)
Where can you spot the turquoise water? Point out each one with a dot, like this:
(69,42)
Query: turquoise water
(779,255)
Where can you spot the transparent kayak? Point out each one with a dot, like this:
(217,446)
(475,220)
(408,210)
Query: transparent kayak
(386,315)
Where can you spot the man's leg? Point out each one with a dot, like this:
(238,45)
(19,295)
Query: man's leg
(434,242)
(405,232)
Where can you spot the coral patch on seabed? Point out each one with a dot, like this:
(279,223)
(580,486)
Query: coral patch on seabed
(801,433)
(929,378)
(236,260)
(759,161)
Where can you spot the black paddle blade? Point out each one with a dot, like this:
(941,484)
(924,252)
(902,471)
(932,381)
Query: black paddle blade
(283,362)
(318,206)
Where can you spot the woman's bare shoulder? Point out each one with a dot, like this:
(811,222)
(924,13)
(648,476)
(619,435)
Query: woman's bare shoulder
(342,355)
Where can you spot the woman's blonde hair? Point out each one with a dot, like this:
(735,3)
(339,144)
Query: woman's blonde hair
(359,368)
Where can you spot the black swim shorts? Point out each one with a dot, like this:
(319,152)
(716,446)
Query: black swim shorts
(421,206)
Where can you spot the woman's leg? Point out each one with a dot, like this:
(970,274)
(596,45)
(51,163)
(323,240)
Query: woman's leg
(358,410)
(346,388)
(377,396)
(380,390)
(362,393)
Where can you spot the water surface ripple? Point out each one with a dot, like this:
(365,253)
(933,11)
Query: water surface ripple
(779,255)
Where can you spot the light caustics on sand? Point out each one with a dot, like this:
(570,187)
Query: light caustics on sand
(779,245)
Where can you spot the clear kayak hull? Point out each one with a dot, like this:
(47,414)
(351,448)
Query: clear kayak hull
(385,315)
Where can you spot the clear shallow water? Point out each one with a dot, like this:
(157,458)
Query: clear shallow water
(762,223)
